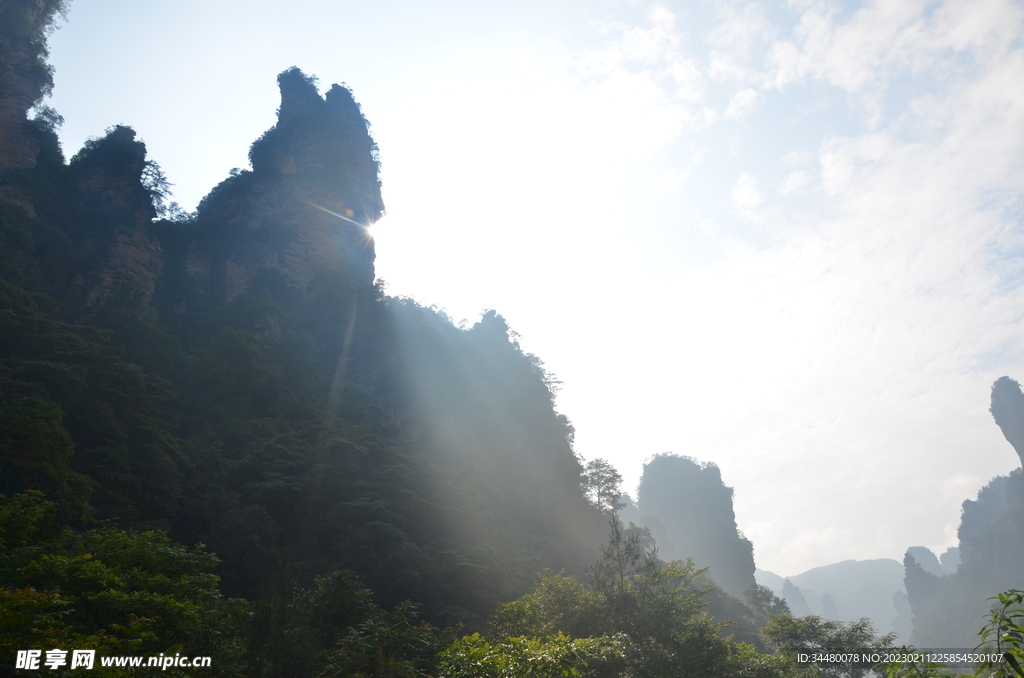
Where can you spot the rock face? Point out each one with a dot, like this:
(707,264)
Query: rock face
(304,207)
(689,511)
(950,607)
(1008,411)
(949,610)
(111,219)
(924,587)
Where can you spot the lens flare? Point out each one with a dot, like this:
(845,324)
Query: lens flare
(347,217)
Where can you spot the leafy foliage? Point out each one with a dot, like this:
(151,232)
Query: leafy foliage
(63,381)
(764,603)
(36,450)
(393,644)
(105,588)
(548,657)
(1003,634)
(813,634)
(602,485)
(647,612)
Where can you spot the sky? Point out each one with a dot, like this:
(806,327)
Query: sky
(785,238)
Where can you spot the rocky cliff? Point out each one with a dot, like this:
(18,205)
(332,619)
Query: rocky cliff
(303,208)
(110,220)
(949,608)
(689,511)
(1008,411)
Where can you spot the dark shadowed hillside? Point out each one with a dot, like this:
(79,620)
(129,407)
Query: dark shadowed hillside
(235,376)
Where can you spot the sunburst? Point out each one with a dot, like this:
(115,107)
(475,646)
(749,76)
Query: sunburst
(347,217)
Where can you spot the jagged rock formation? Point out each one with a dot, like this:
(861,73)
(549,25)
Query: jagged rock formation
(111,215)
(828,606)
(949,610)
(940,566)
(303,209)
(924,588)
(794,597)
(306,204)
(689,511)
(234,376)
(1008,411)
(903,623)
(24,76)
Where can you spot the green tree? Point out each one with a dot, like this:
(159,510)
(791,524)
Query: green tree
(549,657)
(1004,633)
(763,603)
(790,635)
(106,588)
(391,645)
(35,453)
(119,417)
(651,611)
(602,485)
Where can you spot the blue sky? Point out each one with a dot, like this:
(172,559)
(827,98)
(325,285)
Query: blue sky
(783,237)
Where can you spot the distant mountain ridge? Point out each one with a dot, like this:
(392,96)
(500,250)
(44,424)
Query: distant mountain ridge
(855,589)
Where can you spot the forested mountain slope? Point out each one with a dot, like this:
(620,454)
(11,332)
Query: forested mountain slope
(236,377)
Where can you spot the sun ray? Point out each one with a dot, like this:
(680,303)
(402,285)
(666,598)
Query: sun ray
(342,216)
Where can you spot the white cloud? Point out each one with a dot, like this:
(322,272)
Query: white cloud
(745,196)
(672,181)
(741,104)
(847,358)
(654,50)
(796,180)
(741,31)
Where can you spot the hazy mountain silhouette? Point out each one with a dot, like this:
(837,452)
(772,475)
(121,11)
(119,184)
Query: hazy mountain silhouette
(949,602)
(689,511)
(1008,410)
(844,591)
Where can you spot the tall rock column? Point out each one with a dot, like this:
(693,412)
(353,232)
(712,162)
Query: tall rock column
(1008,411)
